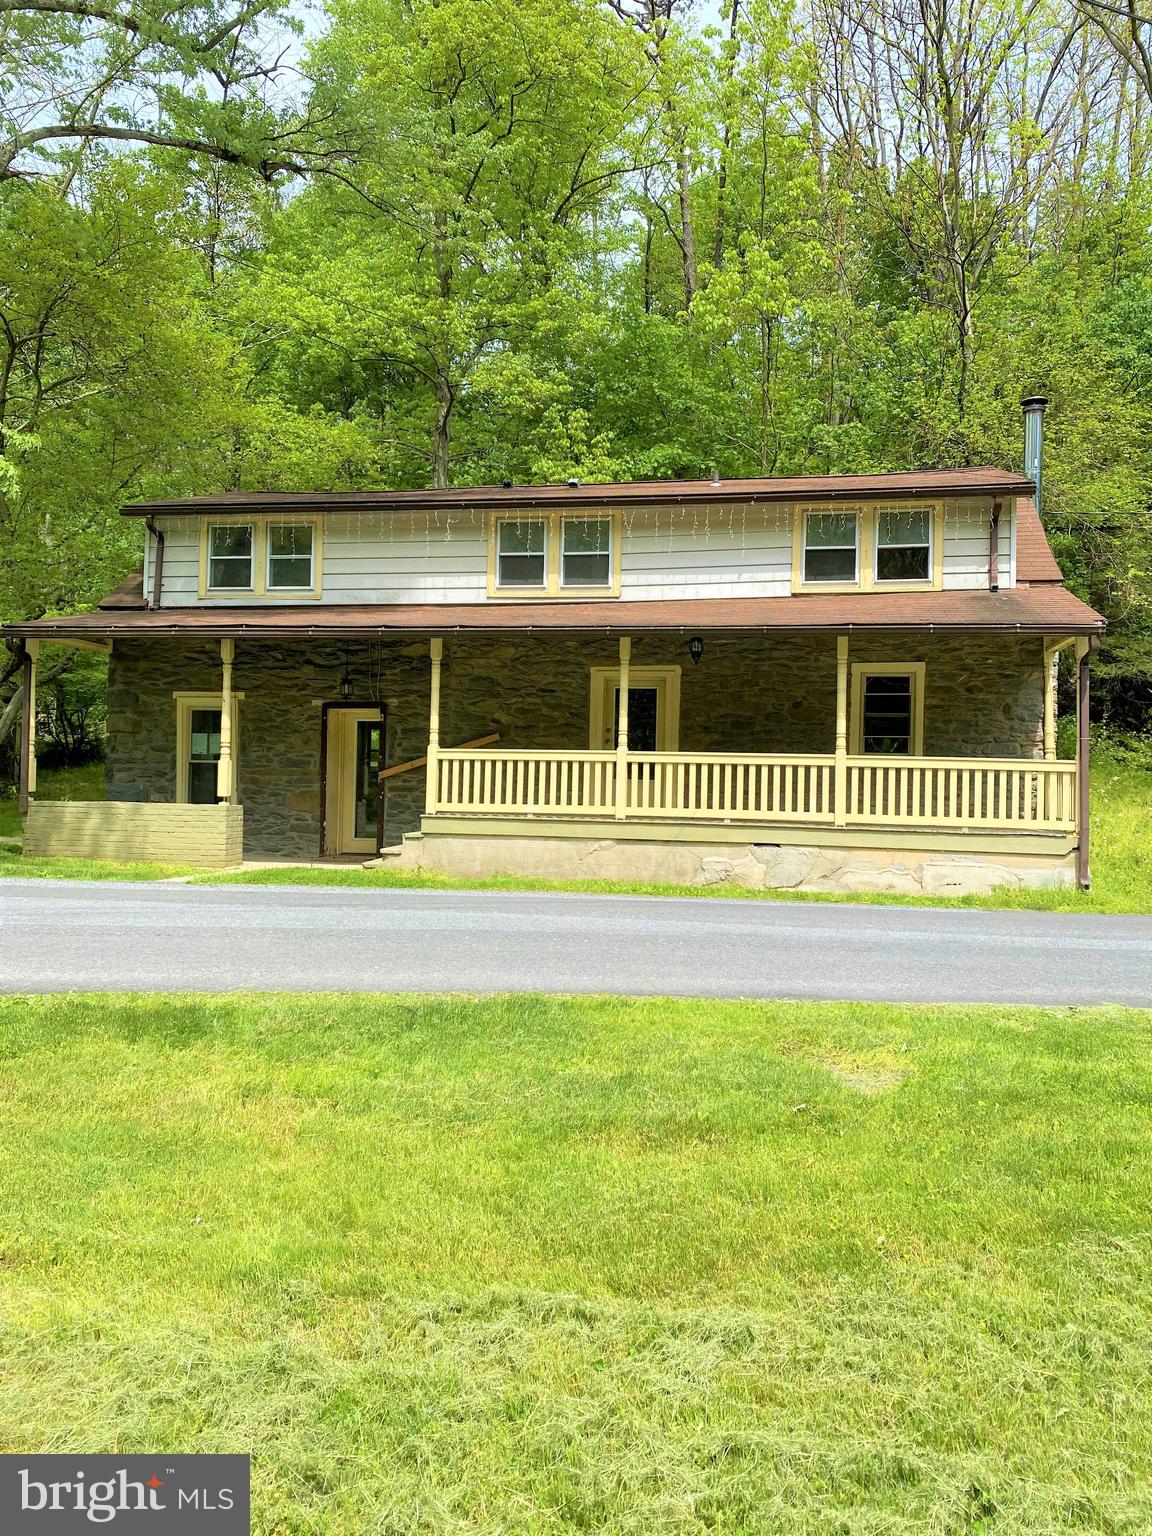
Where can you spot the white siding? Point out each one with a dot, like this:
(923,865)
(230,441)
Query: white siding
(729,551)
(406,558)
(181,560)
(676,553)
(966,544)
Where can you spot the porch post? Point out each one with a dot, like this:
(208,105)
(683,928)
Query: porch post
(1084,649)
(840,792)
(432,781)
(1050,653)
(622,730)
(225,777)
(28,724)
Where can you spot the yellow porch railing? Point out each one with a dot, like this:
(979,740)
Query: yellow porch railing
(714,786)
(1004,793)
(950,793)
(507,783)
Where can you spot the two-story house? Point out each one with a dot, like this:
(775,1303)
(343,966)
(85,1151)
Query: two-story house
(842,682)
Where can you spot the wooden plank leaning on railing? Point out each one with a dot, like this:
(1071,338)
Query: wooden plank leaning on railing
(420,762)
(948,793)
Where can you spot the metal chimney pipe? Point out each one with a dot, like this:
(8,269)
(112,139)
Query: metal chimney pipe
(1033,408)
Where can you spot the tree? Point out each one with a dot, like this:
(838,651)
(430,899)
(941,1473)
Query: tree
(195,77)
(495,131)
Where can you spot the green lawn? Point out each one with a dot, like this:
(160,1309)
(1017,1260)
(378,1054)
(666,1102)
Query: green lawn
(83,783)
(524,1267)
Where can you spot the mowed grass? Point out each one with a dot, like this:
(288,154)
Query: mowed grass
(538,1266)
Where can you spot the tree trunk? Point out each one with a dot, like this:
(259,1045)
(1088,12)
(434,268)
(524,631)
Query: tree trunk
(442,435)
(725,142)
(687,226)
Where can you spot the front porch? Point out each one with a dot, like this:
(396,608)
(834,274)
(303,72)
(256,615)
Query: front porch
(687,754)
(656,794)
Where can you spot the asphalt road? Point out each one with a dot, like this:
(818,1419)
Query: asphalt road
(64,935)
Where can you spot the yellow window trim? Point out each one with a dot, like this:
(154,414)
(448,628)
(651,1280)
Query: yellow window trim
(605,681)
(865,513)
(553,521)
(185,704)
(260,524)
(916,671)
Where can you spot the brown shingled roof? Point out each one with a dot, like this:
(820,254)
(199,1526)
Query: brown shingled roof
(1035,562)
(979,480)
(129,594)
(1049,609)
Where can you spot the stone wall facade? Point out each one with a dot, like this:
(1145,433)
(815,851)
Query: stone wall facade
(749,693)
(846,867)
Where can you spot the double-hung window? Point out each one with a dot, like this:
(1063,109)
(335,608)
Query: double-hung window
(904,545)
(198,745)
(586,552)
(868,548)
(831,546)
(230,563)
(203,755)
(264,556)
(555,554)
(291,552)
(888,708)
(522,553)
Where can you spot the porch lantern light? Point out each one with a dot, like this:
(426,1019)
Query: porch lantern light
(696,649)
(345,685)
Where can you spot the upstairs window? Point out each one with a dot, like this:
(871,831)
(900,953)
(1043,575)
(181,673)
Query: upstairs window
(586,552)
(831,546)
(521,553)
(554,554)
(904,545)
(290,556)
(266,557)
(230,556)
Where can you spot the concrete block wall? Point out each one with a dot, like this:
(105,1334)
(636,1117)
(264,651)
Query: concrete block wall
(205,836)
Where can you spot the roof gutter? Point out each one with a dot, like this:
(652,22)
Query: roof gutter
(158,565)
(171,631)
(724,493)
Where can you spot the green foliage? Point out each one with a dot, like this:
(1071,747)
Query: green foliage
(558,238)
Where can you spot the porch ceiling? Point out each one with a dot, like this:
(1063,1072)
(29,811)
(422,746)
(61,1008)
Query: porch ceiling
(1048,610)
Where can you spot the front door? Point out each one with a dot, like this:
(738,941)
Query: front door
(643,719)
(352,800)
(653,709)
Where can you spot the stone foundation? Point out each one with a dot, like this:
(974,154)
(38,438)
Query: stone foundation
(904,871)
(750,693)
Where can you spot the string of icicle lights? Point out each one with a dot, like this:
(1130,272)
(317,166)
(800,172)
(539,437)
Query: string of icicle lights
(735,525)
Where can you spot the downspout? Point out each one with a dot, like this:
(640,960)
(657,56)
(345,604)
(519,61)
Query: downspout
(994,546)
(1083,874)
(158,564)
(28,724)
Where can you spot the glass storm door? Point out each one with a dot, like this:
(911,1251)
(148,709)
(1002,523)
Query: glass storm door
(352,783)
(367,789)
